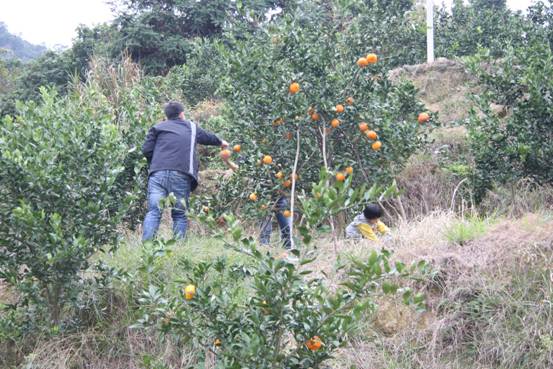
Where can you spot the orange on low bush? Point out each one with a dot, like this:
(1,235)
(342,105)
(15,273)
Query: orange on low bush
(372,58)
(371,135)
(294,88)
(314,343)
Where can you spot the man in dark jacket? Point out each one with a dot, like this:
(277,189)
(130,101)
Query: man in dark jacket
(170,148)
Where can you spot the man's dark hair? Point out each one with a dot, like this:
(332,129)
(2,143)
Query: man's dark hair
(372,211)
(173,109)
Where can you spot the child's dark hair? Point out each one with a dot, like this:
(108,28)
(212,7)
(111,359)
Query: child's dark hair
(372,211)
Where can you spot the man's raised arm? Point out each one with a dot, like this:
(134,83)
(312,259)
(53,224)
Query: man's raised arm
(204,137)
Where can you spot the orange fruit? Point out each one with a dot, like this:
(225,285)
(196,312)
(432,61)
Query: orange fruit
(335,123)
(339,108)
(315,117)
(294,88)
(349,170)
(362,62)
(340,177)
(363,126)
(225,154)
(372,58)
(217,342)
(189,292)
(267,160)
(287,213)
(314,343)
(253,197)
(371,135)
(237,148)
(205,209)
(349,100)
(423,118)
(278,122)
(376,145)
(279,175)
(287,183)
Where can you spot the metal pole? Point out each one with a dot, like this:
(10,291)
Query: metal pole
(430,30)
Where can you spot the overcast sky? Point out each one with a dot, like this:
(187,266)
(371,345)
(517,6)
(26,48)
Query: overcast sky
(53,22)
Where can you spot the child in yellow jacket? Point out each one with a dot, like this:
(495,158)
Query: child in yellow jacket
(368,224)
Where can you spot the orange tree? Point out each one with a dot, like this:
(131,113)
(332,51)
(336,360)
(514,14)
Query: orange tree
(520,145)
(315,82)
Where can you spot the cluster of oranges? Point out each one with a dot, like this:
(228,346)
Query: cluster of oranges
(315,116)
(294,88)
(225,153)
(371,135)
(341,176)
(364,61)
(267,160)
(288,182)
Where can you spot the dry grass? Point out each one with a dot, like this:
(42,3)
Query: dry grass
(518,198)
(487,305)
(119,349)
(434,180)
(426,188)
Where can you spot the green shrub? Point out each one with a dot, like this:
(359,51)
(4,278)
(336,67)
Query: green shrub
(520,145)
(271,314)
(466,230)
(60,161)
(199,78)
(465,28)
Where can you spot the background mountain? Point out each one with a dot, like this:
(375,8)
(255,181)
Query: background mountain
(12,46)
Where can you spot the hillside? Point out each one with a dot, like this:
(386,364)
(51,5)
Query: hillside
(445,169)
(485,301)
(17,48)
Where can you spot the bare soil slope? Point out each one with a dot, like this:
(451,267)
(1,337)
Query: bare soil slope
(444,87)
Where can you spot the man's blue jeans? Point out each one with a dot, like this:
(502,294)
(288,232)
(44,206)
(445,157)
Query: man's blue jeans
(283,223)
(160,185)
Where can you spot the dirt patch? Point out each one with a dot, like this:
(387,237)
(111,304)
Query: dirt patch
(444,87)
(210,180)
(206,110)
(6,295)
